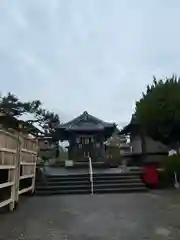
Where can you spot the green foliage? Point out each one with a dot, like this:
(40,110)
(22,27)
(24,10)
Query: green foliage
(113,151)
(171,164)
(52,154)
(63,154)
(114,157)
(158,111)
(47,120)
(13,106)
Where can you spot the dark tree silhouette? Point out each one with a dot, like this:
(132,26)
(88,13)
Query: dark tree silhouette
(158,111)
(11,105)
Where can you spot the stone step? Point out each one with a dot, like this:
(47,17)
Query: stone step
(66,182)
(100,181)
(123,174)
(85,165)
(42,188)
(117,185)
(63,192)
(68,179)
(118,177)
(67,187)
(95,178)
(88,191)
(95,174)
(120,190)
(104,182)
(118,180)
(86,186)
(67,175)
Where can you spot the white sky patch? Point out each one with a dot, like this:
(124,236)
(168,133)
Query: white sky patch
(18,18)
(3,3)
(34,62)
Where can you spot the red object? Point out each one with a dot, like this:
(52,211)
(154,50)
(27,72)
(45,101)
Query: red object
(150,175)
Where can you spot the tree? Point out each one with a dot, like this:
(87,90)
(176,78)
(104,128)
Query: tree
(47,120)
(158,111)
(12,105)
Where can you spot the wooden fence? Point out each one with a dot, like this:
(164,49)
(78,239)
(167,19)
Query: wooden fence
(18,156)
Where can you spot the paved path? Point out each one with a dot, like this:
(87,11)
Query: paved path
(98,217)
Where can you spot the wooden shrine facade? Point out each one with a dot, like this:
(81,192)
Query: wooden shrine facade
(83,145)
(86,135)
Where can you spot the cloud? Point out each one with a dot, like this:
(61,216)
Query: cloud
(87,55)
(33,62)
(18,18)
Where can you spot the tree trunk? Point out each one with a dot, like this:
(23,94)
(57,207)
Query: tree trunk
(143,141)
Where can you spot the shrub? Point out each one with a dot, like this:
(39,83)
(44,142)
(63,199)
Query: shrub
(170,165)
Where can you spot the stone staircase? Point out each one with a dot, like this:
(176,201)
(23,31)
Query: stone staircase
(80,183)
(85,164)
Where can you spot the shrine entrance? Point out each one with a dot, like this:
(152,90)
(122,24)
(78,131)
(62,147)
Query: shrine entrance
(86,135)
(88,145)
(85,145)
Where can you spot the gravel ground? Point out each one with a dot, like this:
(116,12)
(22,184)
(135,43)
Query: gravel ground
(151,216)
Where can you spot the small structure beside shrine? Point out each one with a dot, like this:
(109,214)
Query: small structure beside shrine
(143,148)
(48,149)
(120,142)
(86,135)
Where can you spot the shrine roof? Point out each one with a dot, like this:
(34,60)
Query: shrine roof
(86,122)
(128,128)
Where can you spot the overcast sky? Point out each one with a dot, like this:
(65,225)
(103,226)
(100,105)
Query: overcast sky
(94,55)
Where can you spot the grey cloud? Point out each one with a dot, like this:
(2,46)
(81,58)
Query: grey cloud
(87,55)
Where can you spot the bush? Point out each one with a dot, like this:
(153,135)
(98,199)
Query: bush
(165,180)
(114,162)
(58,163)
(170,165)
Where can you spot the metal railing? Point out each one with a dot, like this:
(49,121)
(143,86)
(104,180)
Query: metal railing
(91,174)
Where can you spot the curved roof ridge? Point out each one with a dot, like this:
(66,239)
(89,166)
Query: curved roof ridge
(85,116)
